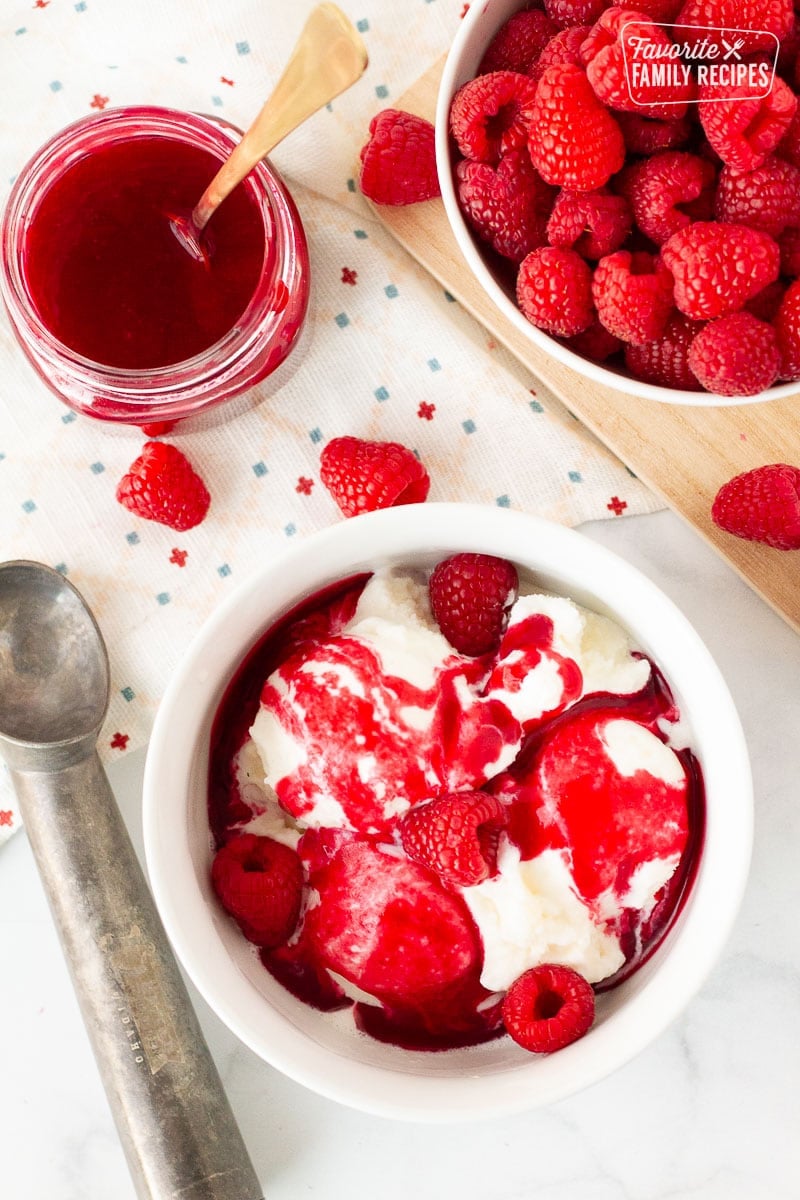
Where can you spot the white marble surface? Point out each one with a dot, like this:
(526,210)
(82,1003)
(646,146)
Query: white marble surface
(709,1112)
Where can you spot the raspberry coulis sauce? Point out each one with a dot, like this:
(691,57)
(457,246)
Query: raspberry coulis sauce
(106,273)
(400,903)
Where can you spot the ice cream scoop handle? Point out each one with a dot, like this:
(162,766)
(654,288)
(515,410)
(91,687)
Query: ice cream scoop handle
(174,1120)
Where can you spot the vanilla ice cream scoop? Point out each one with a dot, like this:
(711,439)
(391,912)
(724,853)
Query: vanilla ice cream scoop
(598,822)
(554,651)
(355,727)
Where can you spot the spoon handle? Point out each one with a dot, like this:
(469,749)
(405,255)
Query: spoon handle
(328,58)
(174,1120)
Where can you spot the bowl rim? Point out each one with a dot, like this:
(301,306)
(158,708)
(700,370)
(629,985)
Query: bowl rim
(453,76)
(189,922)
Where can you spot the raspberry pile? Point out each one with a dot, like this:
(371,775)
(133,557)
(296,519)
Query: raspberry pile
(659,237)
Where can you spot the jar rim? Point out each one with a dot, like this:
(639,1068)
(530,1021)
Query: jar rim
(136,385)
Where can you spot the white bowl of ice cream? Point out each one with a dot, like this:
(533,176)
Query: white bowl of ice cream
(476,31)
(325,1051)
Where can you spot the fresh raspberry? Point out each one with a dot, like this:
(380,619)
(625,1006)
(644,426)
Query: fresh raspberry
(789,243)
(507,206)
(568,13)
(595,343)
(766,303)
(744,130)
(455,836)
(762,505)
(364,476)
(664,361)
(718,267)
(517,45)
(604,55)
(161,485)
(714,17)
(633,295)
(573,141)
(488,115)
(659,188)
(554,291)
(787,327)
(593,223)
(470,597)
(260,883)
(661,12)
(643,135)
(548,1007)
(398,163)
(765,197)
(736,355)
(565,47)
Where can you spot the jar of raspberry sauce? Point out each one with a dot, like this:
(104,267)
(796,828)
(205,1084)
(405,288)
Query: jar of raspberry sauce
(115,315)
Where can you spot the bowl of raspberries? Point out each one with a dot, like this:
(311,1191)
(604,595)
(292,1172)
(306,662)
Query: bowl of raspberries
(624,182)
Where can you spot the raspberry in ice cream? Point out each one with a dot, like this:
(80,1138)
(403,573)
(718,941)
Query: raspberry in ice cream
(458,820)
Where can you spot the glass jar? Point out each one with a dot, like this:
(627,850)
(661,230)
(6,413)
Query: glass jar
(253,348)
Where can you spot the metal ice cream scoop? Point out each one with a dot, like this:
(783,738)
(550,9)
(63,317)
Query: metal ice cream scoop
(175,1123)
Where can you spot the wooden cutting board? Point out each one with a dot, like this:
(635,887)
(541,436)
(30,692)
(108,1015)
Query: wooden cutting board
(682,453)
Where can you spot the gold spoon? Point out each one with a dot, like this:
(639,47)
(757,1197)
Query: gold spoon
(328,58)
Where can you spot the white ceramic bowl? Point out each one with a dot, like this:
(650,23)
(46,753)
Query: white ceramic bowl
(325,1052)
(476,31)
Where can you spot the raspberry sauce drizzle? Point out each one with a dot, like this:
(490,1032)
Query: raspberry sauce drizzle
(465,1013)
(239,704)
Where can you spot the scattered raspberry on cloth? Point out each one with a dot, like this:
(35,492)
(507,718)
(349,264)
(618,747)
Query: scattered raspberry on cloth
(161,485)
(364,476)
(398,162)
